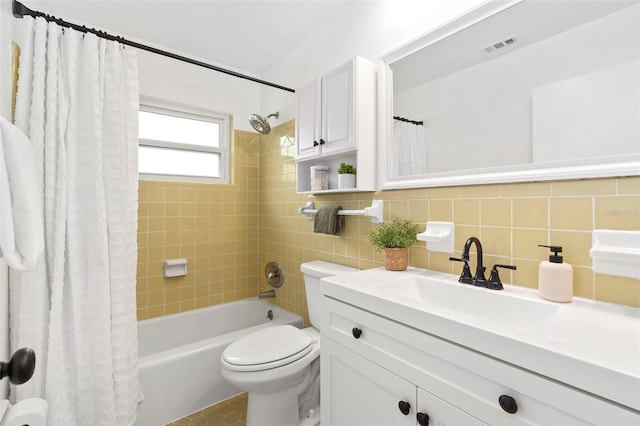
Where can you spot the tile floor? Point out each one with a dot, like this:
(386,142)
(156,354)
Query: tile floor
(232,412)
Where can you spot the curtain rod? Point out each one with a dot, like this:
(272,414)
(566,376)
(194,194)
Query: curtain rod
(20,10)
(406,120)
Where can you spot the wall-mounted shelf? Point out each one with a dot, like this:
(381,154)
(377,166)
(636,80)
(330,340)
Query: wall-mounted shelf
(375,212)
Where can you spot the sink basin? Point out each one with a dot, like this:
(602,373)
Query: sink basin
(470,303)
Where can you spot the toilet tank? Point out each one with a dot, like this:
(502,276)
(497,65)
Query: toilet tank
(313,272)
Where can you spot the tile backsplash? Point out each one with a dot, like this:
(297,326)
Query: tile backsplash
(229,232)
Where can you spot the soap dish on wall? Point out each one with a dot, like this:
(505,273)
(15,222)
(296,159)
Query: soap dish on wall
(616,253)
(439,236)
(175,267)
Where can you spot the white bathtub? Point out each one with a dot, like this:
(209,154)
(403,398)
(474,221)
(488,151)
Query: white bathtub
(180,356)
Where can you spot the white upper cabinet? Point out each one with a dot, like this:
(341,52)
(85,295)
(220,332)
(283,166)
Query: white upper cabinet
(308,122)
(336,124)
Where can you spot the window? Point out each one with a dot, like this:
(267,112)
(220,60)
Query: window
(182,145)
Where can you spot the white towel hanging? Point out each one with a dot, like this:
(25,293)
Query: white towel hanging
(21,224)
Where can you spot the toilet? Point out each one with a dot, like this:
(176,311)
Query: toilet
(280,366)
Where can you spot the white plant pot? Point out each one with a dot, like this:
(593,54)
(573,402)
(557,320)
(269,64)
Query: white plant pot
(346,181)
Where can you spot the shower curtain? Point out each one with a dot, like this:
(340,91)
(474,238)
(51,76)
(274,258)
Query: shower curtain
(78,102)
(409,149)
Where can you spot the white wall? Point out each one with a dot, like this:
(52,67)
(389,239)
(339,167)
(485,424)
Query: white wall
(369,29)
(5,60)
(179,82)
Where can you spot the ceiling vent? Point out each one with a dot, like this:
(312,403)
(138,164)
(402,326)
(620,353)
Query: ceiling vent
(499,45)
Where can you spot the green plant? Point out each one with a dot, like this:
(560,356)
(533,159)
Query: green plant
(346,169)
(394,234)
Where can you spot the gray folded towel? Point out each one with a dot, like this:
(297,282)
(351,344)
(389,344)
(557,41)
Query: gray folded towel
(327,220)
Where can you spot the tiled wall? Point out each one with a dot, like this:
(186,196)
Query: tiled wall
(510,220)
(214,226)
(229,233)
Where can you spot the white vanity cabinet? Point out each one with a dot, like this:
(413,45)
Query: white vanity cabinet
(366,372)
(363,393)
(336,123)
(360,392)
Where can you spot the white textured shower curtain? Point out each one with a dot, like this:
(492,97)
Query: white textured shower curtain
(78,102)
(409,149)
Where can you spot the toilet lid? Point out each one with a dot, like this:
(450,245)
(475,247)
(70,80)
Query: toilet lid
(268,348)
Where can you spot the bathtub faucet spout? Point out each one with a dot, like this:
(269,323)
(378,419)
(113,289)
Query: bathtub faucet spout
(267,294)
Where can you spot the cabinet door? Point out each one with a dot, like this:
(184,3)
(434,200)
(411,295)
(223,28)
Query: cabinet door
(442,413)
(356,391)
(338,110)
(308,122)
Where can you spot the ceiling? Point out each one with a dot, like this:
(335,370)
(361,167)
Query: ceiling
(245,35)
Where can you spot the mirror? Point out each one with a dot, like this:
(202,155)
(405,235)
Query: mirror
(515,91)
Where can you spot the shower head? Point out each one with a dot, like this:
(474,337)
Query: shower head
(261,123)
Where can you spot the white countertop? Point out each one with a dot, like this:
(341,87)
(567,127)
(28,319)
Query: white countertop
(593,346)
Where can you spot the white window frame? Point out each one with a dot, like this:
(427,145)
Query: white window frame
(182,111)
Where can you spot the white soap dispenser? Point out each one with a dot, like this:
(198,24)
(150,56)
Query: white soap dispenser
(555,278)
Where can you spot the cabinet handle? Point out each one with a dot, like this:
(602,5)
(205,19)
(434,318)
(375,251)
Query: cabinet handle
(356,332)
(508,404)
(423,419)
(322,141)
(315,143)
(404,407)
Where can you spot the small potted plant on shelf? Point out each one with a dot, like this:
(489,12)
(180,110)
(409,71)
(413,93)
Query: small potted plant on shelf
(394,239)
(346,176)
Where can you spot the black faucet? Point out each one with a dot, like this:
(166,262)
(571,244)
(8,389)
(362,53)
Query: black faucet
(494,282)
(479,279)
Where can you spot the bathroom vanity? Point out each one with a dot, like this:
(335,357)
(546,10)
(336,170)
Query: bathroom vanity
(417,347)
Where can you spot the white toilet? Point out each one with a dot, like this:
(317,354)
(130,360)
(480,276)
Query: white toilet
(279,366)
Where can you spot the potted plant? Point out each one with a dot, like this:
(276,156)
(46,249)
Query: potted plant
(346,176)
(394,239)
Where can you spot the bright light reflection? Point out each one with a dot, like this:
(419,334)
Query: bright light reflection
(167,128)
(166,161)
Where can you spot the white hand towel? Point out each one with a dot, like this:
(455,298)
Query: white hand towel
(21,217)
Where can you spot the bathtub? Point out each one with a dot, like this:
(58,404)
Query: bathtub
(180,356)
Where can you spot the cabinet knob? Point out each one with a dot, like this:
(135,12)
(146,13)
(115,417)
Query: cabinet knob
(404,407)
(423,419)
(356,332)
(322,141)
(315,143)
(508,404)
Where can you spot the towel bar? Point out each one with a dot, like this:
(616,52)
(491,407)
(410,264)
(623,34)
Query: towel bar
(374,212)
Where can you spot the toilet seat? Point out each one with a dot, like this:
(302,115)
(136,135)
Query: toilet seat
(268,348)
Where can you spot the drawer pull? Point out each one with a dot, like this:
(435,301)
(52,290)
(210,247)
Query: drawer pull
(508,404)
(423,419)
(356,332)
(404,407)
